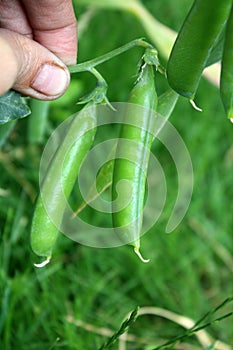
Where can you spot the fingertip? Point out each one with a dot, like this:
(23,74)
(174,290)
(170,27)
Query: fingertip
(51,80)
(30,68)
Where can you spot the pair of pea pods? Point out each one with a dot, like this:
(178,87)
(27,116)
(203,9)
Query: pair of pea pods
(133,139)
(205,23)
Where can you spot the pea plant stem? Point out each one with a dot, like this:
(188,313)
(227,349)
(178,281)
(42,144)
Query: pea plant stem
(89,65)
(38,121)
(97,75)
(5,130)
(111,4)
(161,36)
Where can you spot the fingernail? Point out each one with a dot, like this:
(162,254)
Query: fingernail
(50,80)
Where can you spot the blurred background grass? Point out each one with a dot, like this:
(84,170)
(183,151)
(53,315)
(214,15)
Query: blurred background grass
(190,270)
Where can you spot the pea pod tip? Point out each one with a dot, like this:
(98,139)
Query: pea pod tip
(43,263)
(137,252)
(230,114)
(195,106)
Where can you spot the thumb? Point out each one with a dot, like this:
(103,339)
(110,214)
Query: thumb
(30,68)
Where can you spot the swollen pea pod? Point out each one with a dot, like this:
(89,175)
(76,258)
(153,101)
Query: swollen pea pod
(226,80)
(201,29)
(136,141)
(60,177)
(166,104)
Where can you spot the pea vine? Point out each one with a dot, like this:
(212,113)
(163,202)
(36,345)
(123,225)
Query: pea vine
(14,106)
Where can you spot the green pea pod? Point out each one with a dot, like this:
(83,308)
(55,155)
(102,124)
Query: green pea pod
(226,80)
(102,183)
(166,104)
(201,29)
(60,177)
(134,141)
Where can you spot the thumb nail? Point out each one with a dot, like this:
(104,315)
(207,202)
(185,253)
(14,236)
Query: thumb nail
(51,80)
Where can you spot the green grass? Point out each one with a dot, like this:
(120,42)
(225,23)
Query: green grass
(191,269)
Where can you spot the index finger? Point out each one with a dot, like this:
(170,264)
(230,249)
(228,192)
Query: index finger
(54,26)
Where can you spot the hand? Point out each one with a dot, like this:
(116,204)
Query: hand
(38,38)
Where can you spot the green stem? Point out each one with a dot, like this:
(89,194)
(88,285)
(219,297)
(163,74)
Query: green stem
(98,76)
(197,327)
(111,4)
(124,328)
(5,130)
(162,36)
(37,121)
(89,65)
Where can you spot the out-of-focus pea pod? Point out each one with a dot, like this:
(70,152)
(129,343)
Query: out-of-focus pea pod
(201,29)
(226,81)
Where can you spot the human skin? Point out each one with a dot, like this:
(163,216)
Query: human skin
(38,39)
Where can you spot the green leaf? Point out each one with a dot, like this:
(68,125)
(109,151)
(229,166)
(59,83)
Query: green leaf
(12,106)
